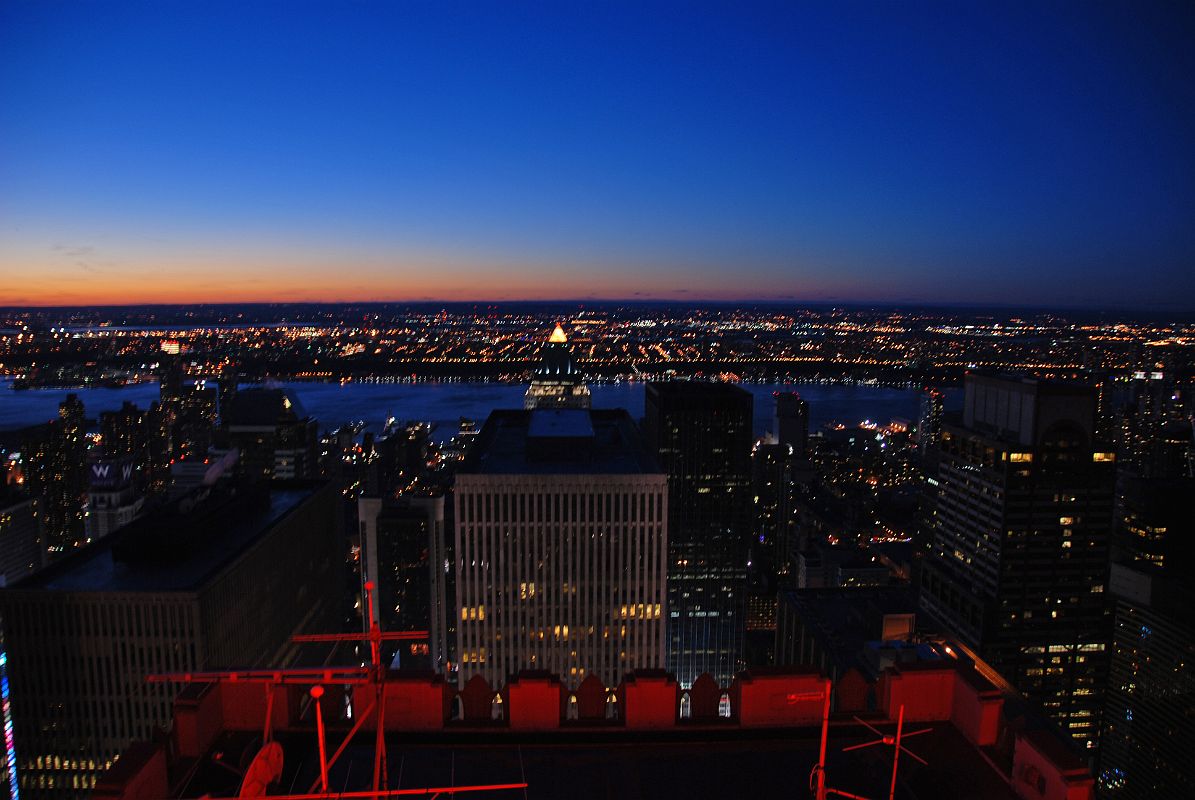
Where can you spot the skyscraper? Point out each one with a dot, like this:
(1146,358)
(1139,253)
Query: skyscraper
(402,552)
(1018,561)
(1149,718)
(275,436)
(55,458)
(929,425)
(557,383)
(792,422)
(701,435)
(561,548)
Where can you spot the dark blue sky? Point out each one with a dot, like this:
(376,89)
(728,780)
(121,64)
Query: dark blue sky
(956,152)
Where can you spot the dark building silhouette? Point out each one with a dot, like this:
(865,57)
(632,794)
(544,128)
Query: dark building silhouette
(403,550)
(55,461)
(1149,718)
(145,438)
(209,582)
(1018,562)
(774,470)
(274,435)
(792,422)
(701,435)
(21,548)
(929,424)
(228,388)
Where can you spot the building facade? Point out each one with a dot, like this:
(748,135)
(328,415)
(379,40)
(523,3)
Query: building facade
(701,435)
(403,552)
(1019,557)
(213,584)
(1148,729)
(561,548)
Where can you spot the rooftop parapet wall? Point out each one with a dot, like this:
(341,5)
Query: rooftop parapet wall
(644,702)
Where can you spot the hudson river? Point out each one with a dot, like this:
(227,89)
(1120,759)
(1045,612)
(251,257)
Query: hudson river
(443,404)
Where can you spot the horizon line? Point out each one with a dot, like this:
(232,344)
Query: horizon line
(693,302)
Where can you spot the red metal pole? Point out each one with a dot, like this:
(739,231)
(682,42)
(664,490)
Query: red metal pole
(316,693)
(900,724)
(821,755)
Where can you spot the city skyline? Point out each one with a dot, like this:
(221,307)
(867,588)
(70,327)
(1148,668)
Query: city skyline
(219,153)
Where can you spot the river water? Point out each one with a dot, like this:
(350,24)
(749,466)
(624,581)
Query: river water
(443,404)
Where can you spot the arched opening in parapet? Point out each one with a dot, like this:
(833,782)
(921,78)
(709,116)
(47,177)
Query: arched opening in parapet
(458,708)
(724,706)
(686,706)
(573,711)
(496,710)
(612,706)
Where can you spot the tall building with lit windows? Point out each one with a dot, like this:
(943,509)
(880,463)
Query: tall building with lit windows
(929,422)
(701,434)
(1149,717)
(561,548)
(55,460)
(1019,556)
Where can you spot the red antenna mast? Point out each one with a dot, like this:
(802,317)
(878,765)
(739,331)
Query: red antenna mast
(267,765)
(817,778)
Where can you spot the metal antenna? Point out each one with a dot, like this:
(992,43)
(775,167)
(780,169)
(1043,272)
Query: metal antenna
(373,675)
(895,743)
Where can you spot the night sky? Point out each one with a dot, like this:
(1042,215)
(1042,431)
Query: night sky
(896,152)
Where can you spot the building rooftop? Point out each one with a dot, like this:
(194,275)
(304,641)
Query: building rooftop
(560,441)
(848,623)
(691,764)
(768,747)
(178,548)
(561,423)
(263,408)
(698,388)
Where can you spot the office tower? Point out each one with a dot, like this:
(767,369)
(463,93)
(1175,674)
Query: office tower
(771,499)
(1018,563)
(701,436)
(125,434)
(55,457)
(171,373)
(556,383)
(1149,717)
(792,422)
(207,583)
(403,552)
(194,422)
(141,438)
(275,437)
(929,425)
(395,458)
(113,499)
(774,498)
(561,548)
(227,388)
(21,549)
(159,446)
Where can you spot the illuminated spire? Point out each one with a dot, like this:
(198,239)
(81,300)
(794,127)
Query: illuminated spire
(558,336)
